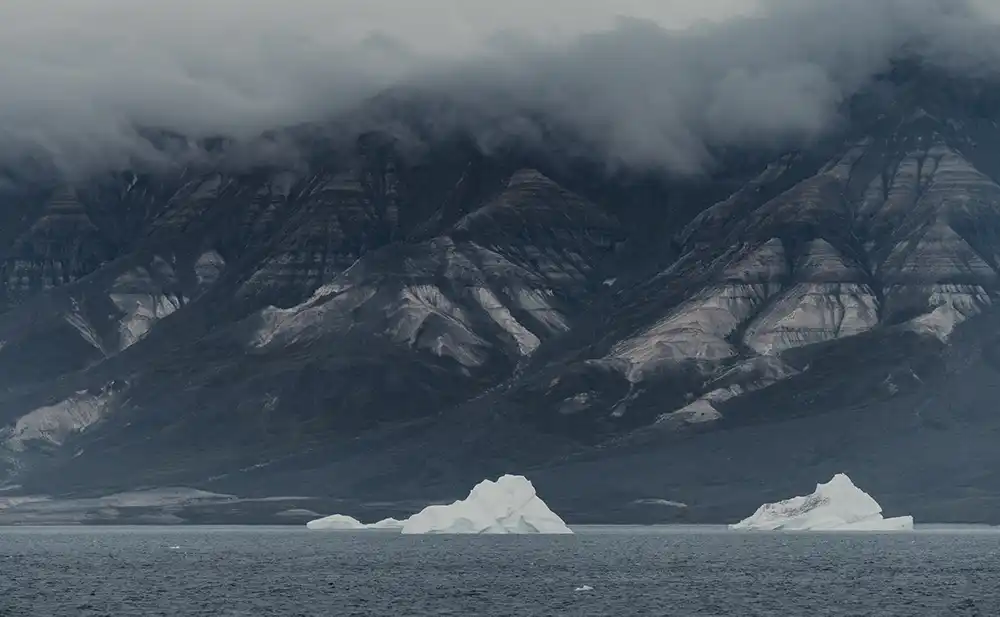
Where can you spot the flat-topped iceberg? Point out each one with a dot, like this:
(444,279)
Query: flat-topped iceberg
(387,523)
(837,505)
(508,506)
(336,522)
(340,522)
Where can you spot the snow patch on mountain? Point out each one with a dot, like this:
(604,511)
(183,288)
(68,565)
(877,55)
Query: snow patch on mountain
(699,412)
(78,320)
(54,424)
(141,312)
(952,305)
(697,329)
(275,326)
(526,340)
(536,302)
(813,313)
(452,336)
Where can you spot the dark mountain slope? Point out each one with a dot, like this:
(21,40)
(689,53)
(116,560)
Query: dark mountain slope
(385,324)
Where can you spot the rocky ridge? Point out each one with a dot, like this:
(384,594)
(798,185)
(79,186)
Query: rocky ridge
(434,319)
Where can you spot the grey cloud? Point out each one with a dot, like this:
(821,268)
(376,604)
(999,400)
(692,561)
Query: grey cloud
(644,96)
(79,76)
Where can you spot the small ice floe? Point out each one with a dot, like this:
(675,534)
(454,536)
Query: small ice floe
(584,588)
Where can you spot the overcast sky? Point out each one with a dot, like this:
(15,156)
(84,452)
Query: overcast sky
(650,82)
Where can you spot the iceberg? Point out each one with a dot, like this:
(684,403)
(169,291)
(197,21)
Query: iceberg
(387,523)
(508,506)
(837,505)
(340,522)
(336,522)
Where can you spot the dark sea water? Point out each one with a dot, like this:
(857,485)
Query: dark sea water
(268,571)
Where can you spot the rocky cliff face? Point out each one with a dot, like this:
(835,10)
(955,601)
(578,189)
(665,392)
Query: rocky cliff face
(379,326)
(884,239)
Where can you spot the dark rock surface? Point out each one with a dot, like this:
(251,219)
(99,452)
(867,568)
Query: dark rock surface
(379,328)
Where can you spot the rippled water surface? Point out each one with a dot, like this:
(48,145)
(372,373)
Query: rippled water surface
(267,571)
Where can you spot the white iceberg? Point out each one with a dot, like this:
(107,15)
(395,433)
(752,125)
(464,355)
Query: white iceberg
(387,523)
(837,505)
(340,522)
(507,506)
(336,522)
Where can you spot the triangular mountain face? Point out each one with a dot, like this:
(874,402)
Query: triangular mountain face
(379,326)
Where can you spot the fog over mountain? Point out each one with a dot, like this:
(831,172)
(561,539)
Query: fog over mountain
(670,260)
(647,82)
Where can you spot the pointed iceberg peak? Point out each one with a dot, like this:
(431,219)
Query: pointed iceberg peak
(837,505)
(841,485)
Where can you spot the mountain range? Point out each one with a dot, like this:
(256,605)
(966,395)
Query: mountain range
(386,318)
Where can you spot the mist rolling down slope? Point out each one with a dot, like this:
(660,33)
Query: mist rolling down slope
(668,275)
